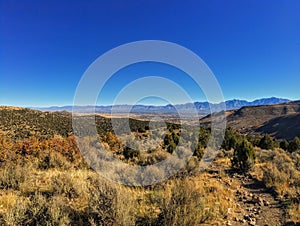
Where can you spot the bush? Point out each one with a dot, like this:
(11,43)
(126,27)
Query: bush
(12,175)
(284,144)
(243,156)
(171,147)
(130,153)
(280,173)
(109,204)
(294,145)
(199,152)
(266,142)
(204,135)
(185,206)
(231,140)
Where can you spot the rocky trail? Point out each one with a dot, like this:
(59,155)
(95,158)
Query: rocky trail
(255,204)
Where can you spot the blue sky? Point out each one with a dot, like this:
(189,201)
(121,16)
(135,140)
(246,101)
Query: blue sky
(252,46)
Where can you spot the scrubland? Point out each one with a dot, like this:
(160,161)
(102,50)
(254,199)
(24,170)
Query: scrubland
(47,182)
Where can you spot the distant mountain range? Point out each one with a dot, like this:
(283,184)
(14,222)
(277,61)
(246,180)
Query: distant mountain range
(281,121)
(202,107)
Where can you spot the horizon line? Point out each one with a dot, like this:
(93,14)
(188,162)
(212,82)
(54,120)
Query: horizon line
(109,105)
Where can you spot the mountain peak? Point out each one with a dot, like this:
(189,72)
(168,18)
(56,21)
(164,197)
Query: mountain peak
(201,107)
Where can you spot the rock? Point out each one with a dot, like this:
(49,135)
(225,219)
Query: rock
(245,197)
(229,199)
(257,211)
(246,217)
(229,211)
(251,215)
(252,221)
(242,221)
(257,200)
(266,203)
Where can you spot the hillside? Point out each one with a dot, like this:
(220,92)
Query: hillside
(281,120)
(23,122)
(286,127)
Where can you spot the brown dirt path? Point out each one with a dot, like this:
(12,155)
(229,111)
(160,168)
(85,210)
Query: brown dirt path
(256,205)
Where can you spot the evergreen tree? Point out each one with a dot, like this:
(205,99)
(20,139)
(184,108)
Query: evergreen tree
(199,151)
(203,137)
(244,156)
(175,138)
(266,142)
(230,139)
(131,153)
(284,144)
(171,147)
(294,145)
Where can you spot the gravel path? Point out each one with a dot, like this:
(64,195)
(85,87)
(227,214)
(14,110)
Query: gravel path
(256,204)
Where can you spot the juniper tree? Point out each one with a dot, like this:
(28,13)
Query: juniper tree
(243,156)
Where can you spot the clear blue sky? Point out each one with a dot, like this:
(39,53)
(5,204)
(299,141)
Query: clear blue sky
(252,46)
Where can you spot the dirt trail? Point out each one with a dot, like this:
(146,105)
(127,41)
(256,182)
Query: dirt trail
(256,204)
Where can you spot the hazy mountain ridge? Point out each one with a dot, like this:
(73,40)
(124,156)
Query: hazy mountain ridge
(279,120)
(201,107)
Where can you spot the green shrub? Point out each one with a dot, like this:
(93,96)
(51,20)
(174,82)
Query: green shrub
(130,153)
(284,144)
(204,135)
(171,147)
(199,151)
(243,156)
(294,145)
(266,142)
(231,140)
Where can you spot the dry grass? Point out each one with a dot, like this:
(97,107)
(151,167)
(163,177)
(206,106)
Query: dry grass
(57,197)
(294,212)
(50,189)
(81,197)
(279,170)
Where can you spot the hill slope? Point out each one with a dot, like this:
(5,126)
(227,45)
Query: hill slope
(256,116)
(286,127)
(23,122)
(281,120)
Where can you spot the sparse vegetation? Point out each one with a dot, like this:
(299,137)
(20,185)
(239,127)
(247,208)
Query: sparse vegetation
(45,181)
(42,185)
(281,172)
